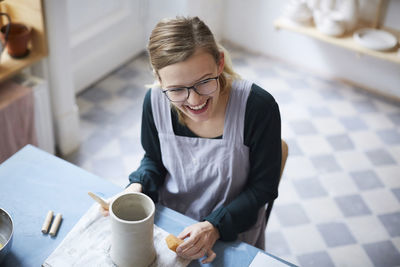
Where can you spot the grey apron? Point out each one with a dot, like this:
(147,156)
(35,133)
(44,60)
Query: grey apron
(202,173)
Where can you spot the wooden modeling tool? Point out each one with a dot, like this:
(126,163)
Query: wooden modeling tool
(55,224)
(99,200)
(47,222)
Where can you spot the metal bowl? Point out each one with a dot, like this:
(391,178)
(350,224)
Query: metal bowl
(6,233)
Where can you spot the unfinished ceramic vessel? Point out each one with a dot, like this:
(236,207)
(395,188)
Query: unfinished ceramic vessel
(132,223)
(18,36)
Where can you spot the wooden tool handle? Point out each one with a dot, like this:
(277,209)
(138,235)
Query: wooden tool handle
(55,225)
(47,222)
(99,200)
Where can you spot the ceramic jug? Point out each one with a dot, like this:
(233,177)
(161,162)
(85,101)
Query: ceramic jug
(298,11)
(326,5)
(5,34)
(349,12)
(313,4)
(132,224)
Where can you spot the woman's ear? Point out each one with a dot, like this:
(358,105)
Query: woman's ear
(221,63)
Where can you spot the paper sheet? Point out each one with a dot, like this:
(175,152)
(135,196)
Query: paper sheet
(89,243)
(263,260)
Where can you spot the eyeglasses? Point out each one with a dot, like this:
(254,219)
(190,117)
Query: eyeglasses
(181,94)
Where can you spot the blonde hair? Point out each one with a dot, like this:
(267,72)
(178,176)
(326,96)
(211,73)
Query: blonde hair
(175,40)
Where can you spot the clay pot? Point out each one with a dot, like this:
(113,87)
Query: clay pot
(132,224)
(5,34)
(18,39)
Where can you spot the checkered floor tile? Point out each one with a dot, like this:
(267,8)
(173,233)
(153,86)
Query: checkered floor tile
(339,199)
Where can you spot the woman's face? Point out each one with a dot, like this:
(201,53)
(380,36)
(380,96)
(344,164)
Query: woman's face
(200,66)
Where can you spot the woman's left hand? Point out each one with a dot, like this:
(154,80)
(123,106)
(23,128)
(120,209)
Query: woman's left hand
(201,237)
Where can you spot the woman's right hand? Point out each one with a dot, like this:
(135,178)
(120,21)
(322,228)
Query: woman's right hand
(132,188)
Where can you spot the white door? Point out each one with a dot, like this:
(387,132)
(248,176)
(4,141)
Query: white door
(103,35)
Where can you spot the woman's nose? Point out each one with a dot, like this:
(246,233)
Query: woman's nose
(194,98)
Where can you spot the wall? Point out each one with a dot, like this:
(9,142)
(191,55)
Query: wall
(250,25)
(103,35)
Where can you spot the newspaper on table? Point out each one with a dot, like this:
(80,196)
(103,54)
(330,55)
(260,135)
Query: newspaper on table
(89,243)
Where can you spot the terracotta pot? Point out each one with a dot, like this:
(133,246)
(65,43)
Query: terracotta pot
(132,224)
(5,35)
(18,39)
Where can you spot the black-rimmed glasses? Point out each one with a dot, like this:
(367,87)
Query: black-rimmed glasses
(204,87)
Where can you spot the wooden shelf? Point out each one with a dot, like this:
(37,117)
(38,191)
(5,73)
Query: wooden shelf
(29,12)
(345,41)
(10,66)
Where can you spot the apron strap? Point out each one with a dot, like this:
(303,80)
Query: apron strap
(235,111)
(161,111)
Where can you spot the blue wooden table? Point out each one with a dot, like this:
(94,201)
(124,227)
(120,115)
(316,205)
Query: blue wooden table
(33,182)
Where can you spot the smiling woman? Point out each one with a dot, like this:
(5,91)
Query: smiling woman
(212,141)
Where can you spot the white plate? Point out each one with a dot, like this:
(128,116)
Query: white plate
(375,39)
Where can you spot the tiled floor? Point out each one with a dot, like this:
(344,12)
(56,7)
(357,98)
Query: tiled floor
(339,202)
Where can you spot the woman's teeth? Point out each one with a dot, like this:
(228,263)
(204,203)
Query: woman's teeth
(198,107)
